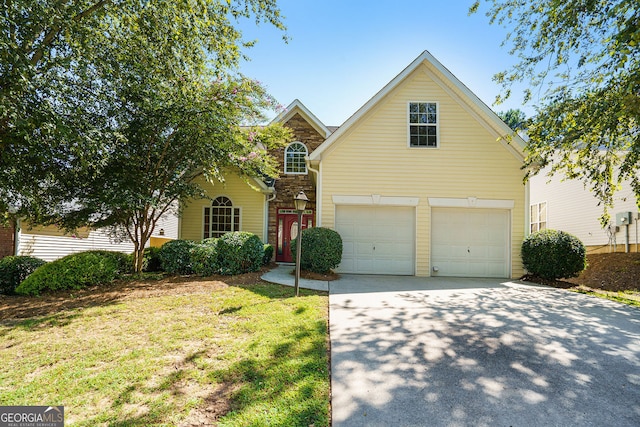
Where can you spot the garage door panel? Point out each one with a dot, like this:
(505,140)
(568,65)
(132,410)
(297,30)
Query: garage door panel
(383,239)
(470,242)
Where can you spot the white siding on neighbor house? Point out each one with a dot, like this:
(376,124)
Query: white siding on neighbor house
(169,223)
(49,243)
(50,248)
(574,209)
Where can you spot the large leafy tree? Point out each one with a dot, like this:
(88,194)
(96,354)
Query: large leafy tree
(167,139)
(580,60)
(515,118)
(96,95)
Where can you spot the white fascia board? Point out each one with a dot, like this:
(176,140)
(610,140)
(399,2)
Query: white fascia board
(500,129)
(470,202)
(489,124)
(298,107)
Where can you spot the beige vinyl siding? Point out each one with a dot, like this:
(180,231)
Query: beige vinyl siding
(250,201)
(373,157)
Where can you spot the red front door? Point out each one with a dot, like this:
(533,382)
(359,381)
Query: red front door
(288,230)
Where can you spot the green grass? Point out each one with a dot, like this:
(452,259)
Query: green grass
(627,297)
(151,361)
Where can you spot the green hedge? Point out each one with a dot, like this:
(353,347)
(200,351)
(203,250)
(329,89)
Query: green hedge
(204,258)
(14,269)
(552,254)
(268,254)
(151,259)
(175,256)
(321,249)
(76,271)
(240,252)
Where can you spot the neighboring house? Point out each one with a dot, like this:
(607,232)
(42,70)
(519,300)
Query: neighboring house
(567,205)
(50,243)
(7,240)
(419,181)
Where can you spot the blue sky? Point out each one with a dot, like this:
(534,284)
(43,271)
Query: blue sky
(342,52)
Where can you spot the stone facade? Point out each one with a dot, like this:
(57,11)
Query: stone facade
(7,245)
(288,186)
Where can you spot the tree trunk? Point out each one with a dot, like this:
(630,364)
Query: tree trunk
(138,258)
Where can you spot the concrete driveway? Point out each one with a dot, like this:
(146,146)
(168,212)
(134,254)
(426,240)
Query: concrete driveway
(409,351)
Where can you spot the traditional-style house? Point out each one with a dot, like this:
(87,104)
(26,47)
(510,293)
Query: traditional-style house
(419,181)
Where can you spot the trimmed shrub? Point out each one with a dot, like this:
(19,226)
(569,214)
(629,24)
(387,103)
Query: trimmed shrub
(268,254)
(552,254)
(175,256)
(76,271)
(321,249)
(240,252)
(151,259)
(14,269)
(205,259)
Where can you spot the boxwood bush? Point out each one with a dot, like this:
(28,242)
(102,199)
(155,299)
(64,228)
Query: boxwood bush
(552,254)
(321,249)
(204,259)
(240,252)
(268,254)
(76,271)
(151,259)
(175,256)
(14,269)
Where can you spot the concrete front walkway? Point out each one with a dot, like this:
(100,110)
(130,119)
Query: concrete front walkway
(408,351)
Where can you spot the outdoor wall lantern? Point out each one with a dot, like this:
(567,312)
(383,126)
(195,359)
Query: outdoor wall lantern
(300,202)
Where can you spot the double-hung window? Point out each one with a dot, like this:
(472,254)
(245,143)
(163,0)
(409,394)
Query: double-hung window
(538,216)
(220,218)
(423,124)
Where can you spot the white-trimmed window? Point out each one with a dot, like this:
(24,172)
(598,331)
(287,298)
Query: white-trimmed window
(538,217)
(220,218)
(294,156)
(423,124)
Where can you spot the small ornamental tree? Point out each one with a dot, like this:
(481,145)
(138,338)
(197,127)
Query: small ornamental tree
(111,111)
(552,254)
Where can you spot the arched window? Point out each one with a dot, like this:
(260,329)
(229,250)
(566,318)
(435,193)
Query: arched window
(294,156)
(220,218)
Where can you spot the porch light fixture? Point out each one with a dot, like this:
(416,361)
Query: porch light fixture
(300,202)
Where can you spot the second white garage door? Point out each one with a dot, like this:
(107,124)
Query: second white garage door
(470,242)
(377,239)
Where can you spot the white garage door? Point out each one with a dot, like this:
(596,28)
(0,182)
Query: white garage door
(470,242)
(377,239)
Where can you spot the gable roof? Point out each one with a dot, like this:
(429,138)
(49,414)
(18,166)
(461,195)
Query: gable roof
(454,87)
(298,107)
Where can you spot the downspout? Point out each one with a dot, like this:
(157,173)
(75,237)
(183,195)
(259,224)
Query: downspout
(318,192)
(527,217)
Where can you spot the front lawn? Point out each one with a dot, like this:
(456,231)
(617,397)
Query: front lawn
(174,352)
